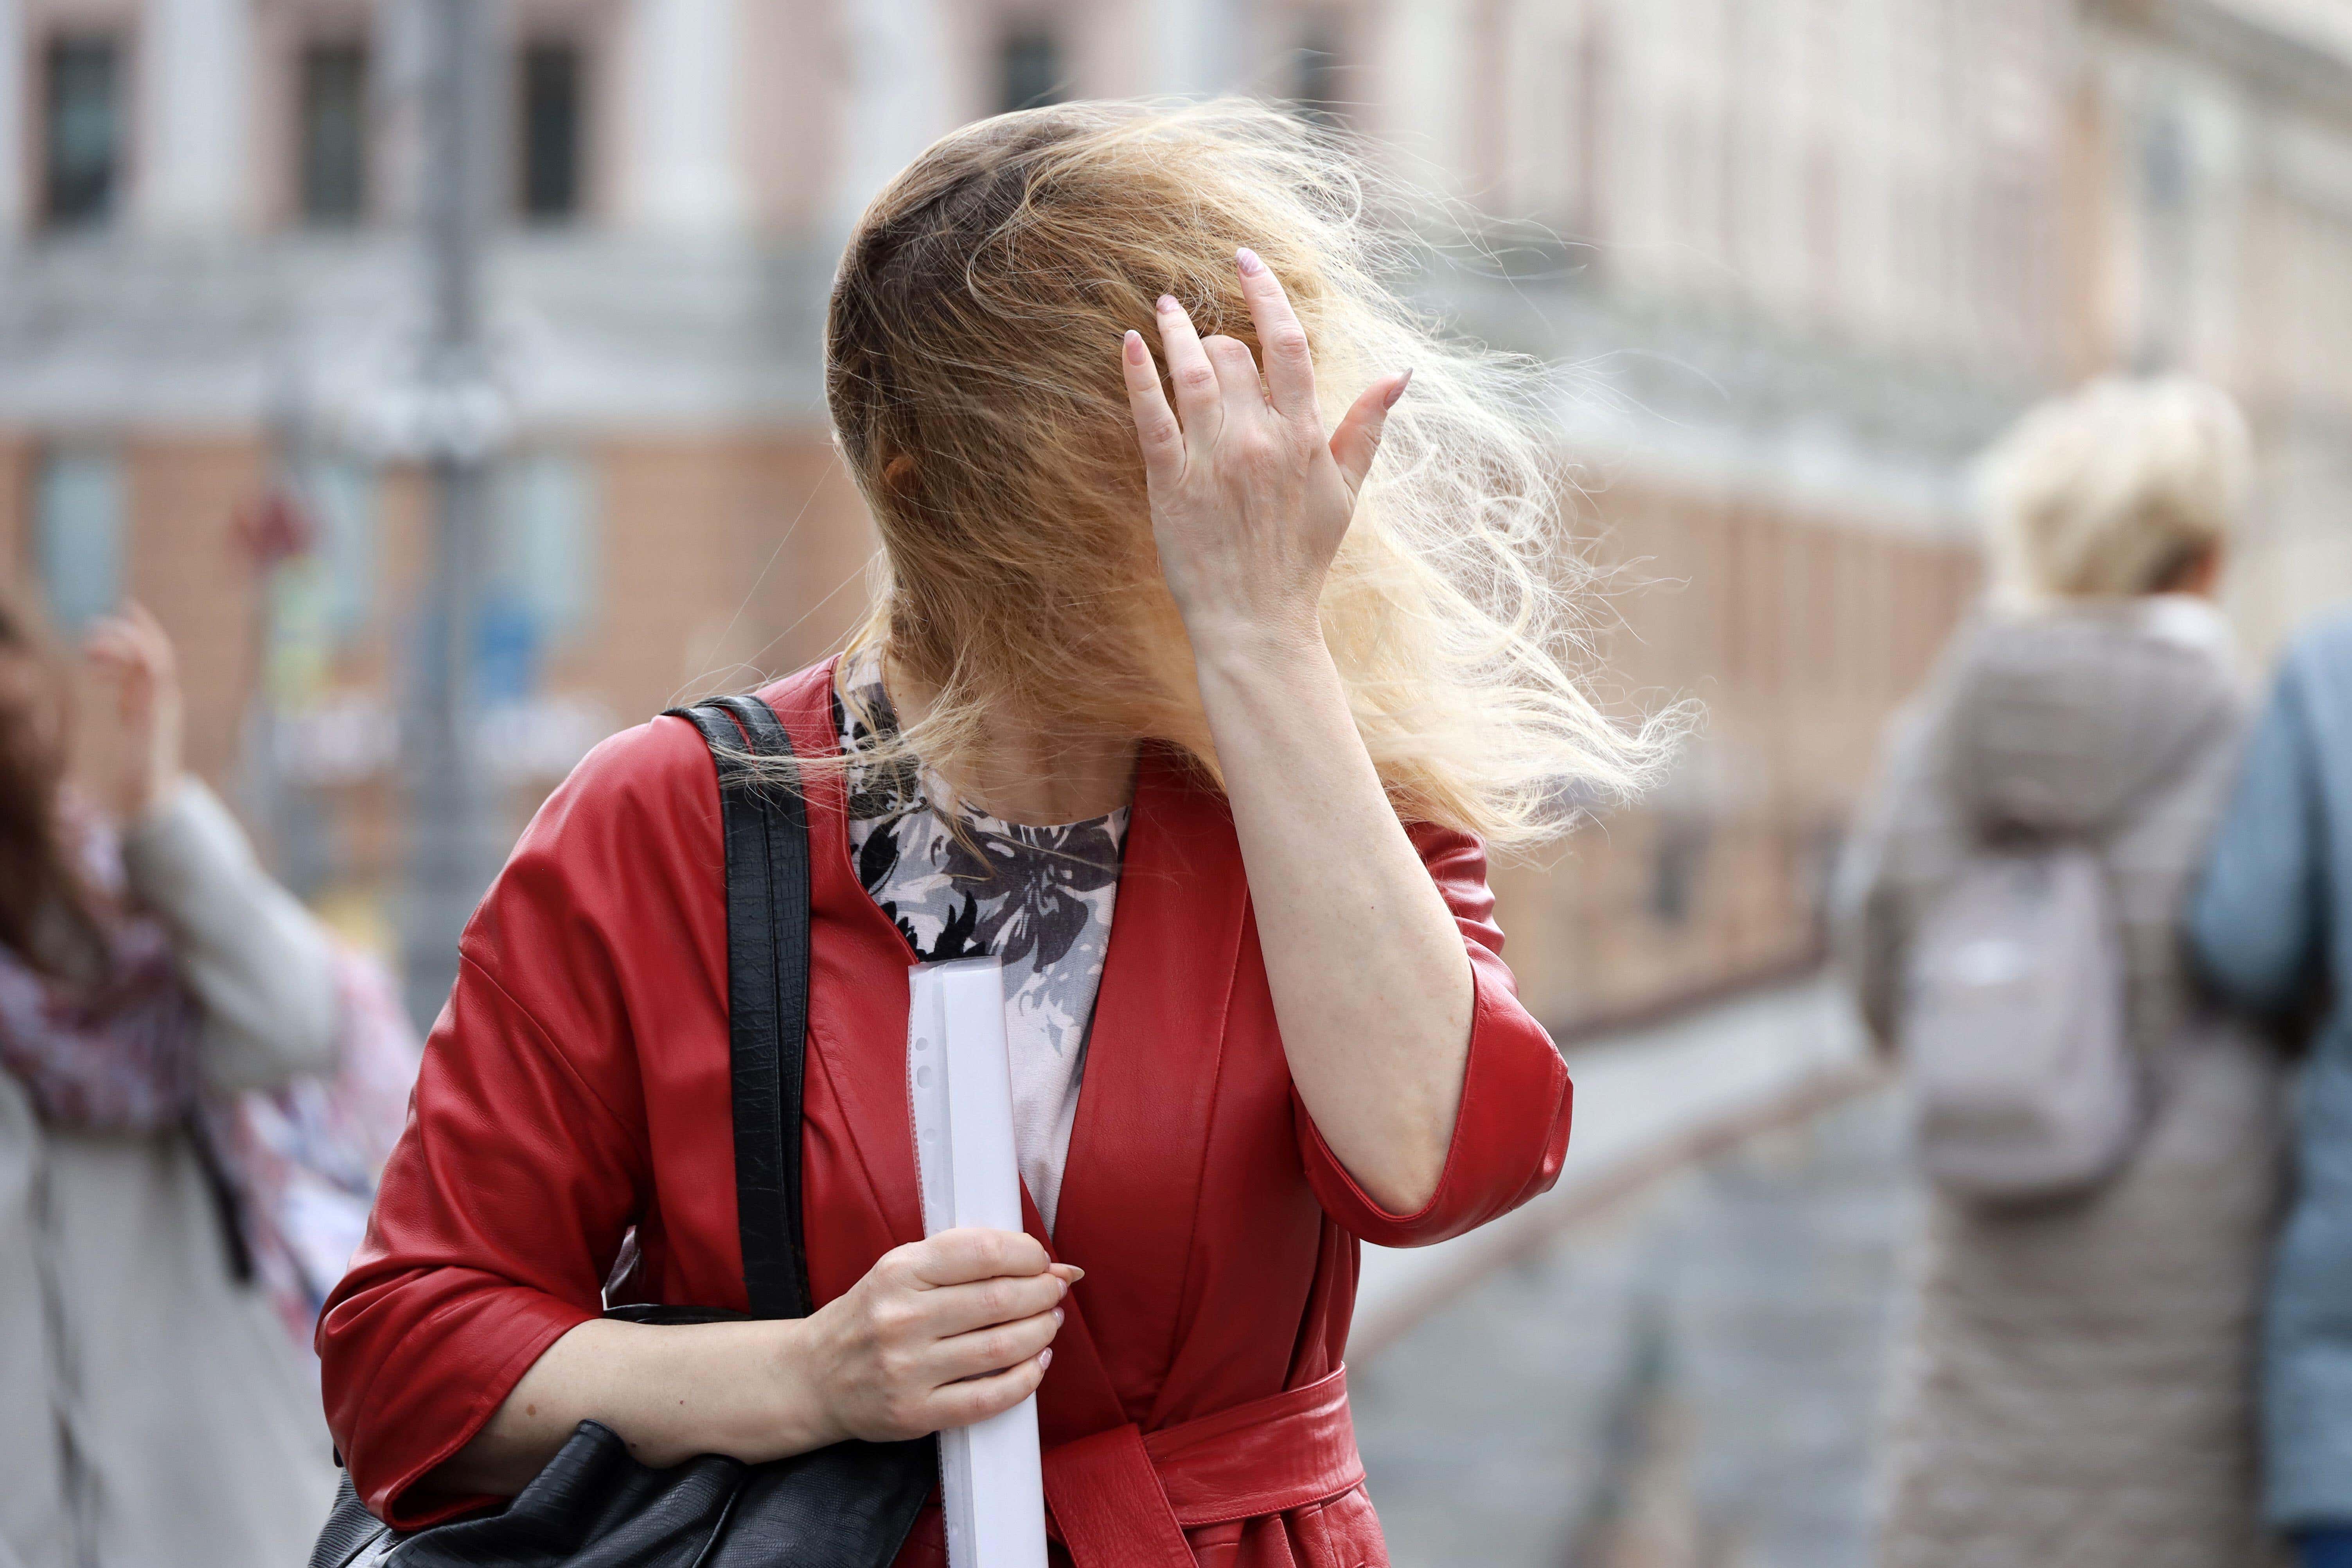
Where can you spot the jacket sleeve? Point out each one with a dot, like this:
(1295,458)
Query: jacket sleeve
(262,967)
(2256,919)
(525,1157)
(1511,1131)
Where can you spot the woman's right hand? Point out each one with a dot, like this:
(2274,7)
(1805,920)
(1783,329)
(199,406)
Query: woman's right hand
(944,1332)
(130,650)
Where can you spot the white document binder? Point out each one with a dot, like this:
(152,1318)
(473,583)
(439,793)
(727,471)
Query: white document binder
(991,1483)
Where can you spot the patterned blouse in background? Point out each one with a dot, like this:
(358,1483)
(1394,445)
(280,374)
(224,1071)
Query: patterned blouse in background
(1038,899)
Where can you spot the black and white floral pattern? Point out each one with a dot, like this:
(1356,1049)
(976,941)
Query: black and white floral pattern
(1039,899)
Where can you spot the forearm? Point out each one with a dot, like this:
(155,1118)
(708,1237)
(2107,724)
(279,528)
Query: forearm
(256,960)
(670,1392)
(1370,982)
(942,1333)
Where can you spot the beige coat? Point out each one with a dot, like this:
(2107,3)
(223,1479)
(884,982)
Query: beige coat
(154,1414)
(2077,1387)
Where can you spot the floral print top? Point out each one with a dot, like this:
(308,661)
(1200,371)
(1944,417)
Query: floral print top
(1039,899)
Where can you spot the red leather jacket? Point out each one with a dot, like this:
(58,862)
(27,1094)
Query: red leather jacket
(577,1084)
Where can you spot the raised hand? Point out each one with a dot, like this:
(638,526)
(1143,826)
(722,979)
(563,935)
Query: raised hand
(1250,498)
(131,651)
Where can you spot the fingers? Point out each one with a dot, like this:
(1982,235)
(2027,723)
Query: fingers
(977,1399)
(1242,393)
(114,648)
(961,1309)
(1156,429)
(108,642)
(996,1348)
(1357,441)
(1198,400)
(960,1256)
(149,632)
(1290,363)
(130,641)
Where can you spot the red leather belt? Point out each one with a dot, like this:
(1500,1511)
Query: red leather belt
(1123,1499)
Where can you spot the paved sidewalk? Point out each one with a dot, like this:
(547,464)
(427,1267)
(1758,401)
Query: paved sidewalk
(1643,1097)
(1690,1380)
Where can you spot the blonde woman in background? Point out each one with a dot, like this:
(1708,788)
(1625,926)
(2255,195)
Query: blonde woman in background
(2076,1388)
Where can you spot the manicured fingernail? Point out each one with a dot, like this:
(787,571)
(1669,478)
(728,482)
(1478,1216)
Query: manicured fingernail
(1396,392)
(1249,262)
(1058,1317)
(1167,303)
(1135,348)
(1045,1358)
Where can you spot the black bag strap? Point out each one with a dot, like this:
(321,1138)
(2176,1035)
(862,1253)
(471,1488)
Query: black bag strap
(765,823)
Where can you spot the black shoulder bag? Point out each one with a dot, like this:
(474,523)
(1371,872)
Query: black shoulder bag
(848,1506)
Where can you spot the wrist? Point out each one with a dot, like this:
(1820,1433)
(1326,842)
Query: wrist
(799,1417)
(146,799)
(1242,648)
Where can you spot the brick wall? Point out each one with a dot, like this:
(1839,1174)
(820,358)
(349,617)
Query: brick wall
(724,557)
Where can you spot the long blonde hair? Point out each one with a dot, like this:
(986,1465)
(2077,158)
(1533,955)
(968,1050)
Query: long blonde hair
(972,372)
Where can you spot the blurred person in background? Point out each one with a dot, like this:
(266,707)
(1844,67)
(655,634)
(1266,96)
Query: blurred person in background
(152,1407)
(2077,1384)
(2273,926)
(1178,666)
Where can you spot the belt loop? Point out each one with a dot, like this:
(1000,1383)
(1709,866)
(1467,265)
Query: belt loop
(1107,1503)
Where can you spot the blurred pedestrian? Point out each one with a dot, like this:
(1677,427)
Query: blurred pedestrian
(2272,924)
(153,1408)
(2076,1384)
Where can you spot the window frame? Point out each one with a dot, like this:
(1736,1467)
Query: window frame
(307,49)
(579,202)
(64,33)
(40,558)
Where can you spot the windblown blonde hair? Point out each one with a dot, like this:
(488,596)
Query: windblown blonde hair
(2114,489)
(972,371)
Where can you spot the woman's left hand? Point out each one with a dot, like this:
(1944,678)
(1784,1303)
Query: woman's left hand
(131,650)
(1249,498)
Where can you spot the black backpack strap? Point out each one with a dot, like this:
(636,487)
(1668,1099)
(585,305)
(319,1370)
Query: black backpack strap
(765,823)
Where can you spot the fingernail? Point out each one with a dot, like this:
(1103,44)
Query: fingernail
(1045,1358)
(1249,262)
(1135,348)
(1396,392)
(1167,303)
(1058,1317)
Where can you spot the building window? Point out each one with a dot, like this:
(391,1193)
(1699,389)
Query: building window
(1030,65)
(81,124)
(77,534)
(543,582)
(1315,74)
(1677,864)
(554,130)
(333,132)
(341,497)
(546,549)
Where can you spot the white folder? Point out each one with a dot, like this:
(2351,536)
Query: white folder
(961,1080)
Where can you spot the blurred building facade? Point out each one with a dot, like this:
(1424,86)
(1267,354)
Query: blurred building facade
(1808,254)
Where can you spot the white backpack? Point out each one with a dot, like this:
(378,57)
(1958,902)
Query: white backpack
(2023,1083)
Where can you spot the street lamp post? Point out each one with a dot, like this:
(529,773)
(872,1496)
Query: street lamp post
(452,839)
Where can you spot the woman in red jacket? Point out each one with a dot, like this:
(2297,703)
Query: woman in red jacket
(1173,702)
